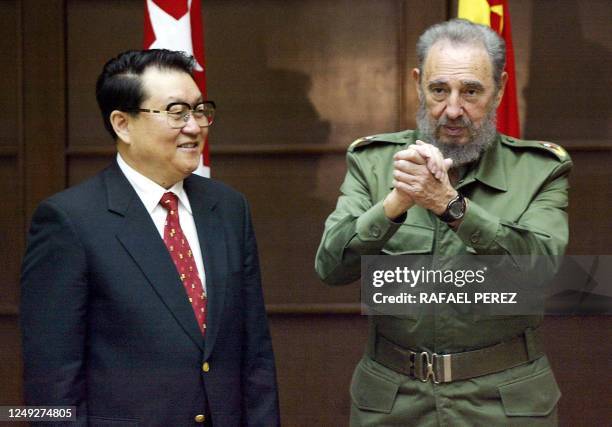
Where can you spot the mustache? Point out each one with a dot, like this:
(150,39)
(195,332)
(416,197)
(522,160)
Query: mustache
(459,122)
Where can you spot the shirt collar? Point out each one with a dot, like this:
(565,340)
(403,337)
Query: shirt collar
(148,190)
(491,169)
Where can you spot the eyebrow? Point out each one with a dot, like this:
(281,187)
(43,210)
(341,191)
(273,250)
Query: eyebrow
(474,84)
(198,102)
(437,82)
(173,100)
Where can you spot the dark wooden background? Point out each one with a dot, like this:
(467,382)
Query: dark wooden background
(296,81)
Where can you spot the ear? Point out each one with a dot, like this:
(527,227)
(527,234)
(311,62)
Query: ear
(120,122)
(502,88)
(416,76)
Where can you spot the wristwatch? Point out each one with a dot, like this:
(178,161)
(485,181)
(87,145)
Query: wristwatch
(454,210)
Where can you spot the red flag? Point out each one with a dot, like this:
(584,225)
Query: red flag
(177,25)
(495,14)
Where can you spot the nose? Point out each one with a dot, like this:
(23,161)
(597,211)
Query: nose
(191,127)
(454,108)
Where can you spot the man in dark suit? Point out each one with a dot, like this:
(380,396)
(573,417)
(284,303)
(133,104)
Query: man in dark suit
(141,295)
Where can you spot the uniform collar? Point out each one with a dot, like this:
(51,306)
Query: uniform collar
(489,170)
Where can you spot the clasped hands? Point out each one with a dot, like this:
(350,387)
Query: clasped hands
(420,176)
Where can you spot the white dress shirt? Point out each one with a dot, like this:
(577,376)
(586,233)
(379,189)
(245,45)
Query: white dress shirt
(150,194)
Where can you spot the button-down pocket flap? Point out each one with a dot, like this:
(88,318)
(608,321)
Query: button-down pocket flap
(535,395)
(372,392)
(410,239)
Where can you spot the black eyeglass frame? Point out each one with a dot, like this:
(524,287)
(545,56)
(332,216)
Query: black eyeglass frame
(189,113)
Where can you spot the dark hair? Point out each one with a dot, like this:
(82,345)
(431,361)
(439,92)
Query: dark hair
(119,86)
(462,32)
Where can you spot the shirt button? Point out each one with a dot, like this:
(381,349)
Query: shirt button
(375,231)
(475,237)
(200,418)
(206,367)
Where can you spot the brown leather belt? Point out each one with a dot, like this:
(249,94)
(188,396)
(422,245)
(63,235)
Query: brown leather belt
(443,368)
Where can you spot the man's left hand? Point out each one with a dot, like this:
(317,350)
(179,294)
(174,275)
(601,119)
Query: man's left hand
(430,189)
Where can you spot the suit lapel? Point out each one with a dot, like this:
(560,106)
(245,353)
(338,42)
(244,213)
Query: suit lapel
(141,240)
(211,234)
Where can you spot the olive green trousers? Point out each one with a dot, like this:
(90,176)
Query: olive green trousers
(525,395)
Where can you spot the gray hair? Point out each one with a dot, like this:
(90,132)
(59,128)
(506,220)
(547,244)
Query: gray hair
(463,32)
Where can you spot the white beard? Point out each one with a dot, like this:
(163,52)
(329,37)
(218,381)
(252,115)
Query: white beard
(480,139)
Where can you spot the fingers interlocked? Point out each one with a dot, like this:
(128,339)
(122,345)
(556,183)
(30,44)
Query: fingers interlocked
(420,172)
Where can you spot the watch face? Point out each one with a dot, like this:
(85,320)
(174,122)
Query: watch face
(456,209)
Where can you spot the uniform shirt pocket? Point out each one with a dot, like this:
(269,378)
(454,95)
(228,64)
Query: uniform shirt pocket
(534,395)
(372,392)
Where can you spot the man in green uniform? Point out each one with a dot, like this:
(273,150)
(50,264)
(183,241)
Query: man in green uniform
(453,187)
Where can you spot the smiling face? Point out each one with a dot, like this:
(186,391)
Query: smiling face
(146,141)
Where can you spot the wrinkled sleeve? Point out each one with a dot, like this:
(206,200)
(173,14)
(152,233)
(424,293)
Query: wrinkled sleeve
(541,230)
(356,227)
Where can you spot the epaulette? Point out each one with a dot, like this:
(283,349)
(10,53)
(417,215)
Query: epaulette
(391,138)
(554,149)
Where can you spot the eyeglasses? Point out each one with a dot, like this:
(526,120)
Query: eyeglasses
(178,113)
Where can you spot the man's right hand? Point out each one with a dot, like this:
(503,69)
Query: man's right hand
(399,201)
(396,204)
(436,163)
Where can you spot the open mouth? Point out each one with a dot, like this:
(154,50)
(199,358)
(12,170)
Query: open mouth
(188,145)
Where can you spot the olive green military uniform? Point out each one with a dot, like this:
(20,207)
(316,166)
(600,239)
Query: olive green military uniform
(517,200)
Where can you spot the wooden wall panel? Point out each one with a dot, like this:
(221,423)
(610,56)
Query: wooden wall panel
(571,344)
(11,230)
(83,167)
(590,195)
(520,15)
(11,187)
(11,387)
(90,42)
(570,72)
(11,214)
(315,358)
(44,107)
(9,84)
(297,72)
(289,205)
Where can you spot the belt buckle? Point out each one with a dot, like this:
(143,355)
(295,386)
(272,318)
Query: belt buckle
(429,367)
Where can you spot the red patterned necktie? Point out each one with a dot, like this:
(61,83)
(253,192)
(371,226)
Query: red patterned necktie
(181,254)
